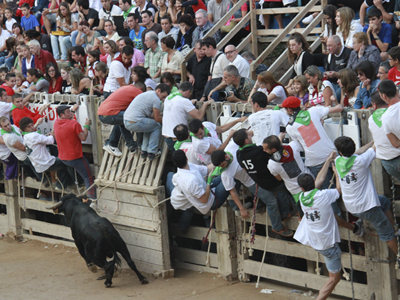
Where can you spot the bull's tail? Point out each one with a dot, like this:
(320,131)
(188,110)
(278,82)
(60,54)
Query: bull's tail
(117,262)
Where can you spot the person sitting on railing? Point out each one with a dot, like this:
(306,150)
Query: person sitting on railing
(233,21)
(172,60)
(265,122)
(153,56)
(247,55)
(203,27)
(205,137)
(349,87)
(347,26)
(363,51)
(274,90)
(299,54)
(320,90)
(358,190)
(390,121)
(233,88)
(189,191)
(177,109)
(379,34)
(368,84)
(237,60)
(198,68)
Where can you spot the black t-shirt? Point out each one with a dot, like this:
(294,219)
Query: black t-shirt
(45,43)
(93,14)
(337,63)
(200,70)
(254,160)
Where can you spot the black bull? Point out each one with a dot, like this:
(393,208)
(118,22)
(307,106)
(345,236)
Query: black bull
(95,237)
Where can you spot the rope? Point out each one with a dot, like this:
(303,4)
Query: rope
(396,226)
(317,269)
(265,250)
(76,182)
(205,239)
(40,187)
(51,186)
(209,244)
(253,226)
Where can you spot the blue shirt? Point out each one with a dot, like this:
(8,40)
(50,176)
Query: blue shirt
(137,39)
(385,35)
(29,23)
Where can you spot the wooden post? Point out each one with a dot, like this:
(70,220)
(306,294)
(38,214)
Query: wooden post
(95,134)
(254,39)
(323,22)
(13,210)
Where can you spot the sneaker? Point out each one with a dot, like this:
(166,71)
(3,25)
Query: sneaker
(360,230)
(284,232)
(112,150)
(308,20)
(143,154)
(151,156)
(132,149)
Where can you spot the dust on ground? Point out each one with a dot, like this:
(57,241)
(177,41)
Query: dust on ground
(35,270)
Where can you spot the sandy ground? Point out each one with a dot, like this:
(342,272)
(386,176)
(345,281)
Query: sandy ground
(34,270)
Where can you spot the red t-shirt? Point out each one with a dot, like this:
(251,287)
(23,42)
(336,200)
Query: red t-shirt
(66,133)
(42,60)
(198,6)
(394,75)
(118,101)
(9,90)
(18,114)
(57,87)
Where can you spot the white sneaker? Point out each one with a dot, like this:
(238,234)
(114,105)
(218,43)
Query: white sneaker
(308,20)
(112,150)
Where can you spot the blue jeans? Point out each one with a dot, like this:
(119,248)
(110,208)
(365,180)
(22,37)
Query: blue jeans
(151,133)
(315,170)
(81,165)
(392,166)
(119,128)
(332,258)
(271,202)
(376,216)
(170,143)
(215,96)
(10,62)
(73,38)
(64,175)
(106,94)
(63,42)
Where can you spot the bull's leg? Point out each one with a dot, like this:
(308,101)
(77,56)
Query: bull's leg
(125,254)
(109,268)
(81,248)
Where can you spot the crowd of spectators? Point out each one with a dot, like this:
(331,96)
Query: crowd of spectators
(131,53)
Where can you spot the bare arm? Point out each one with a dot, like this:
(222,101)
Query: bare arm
(337,109)
(27,98)
(199,113)
(206,195)
(324,171)
(19,146)
(1,140)
(219,87)
(157,115)
(364,148)
(394,140)
(210,18)
(244,213)
(101,24)
(225,127)
(223,145)
(121,81)
(338,186)
(84,134)
(363,10)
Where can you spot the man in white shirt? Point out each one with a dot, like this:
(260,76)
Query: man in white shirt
(237,60)
(120,71)
(9,159)
(184,143)
(227,165)
(108,11)
(219,61)
(38,154)
(319,229)
(205,137)
(265,122)
(390,157)
(358,190)
(5,106)
(189,190)
(177,109)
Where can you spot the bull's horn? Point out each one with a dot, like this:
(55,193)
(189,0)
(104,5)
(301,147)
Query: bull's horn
(55,206)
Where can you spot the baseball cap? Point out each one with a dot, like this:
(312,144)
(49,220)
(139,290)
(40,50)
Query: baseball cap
(61,109)
(291,102)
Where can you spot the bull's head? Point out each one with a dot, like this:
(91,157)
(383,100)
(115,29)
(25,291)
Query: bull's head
(67,201)
(56,207)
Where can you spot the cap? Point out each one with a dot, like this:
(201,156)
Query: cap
(291,102)
(61,108)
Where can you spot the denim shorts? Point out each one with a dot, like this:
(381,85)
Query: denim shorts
(332,258)
(376,216)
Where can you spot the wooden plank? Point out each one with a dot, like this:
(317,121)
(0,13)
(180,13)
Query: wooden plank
(144,267)
(47,228)
(129,197)
(298,250)
(316,30)
(103,165)
(130,210)
(110,163)
(146,255)
(129,222)
(196,268)
(152,164)
(13,210)
(136,161)
(95,133)
(196,257)
(3,199)
(49,240)
(304,279)
(129,187)
(137,237)
(38,205)
(123,162)
(234,31)
(194,232)
(245,42)
(162,159)
(253,28)
(286,10)
(3,223)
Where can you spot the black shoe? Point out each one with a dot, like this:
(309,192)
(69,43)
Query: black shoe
(132,149)
(143,154)
(151,156)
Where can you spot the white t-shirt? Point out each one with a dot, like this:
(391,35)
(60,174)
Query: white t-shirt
(242,65)
(355,27)
(192,157)
(290,171)
(201,146)
(3,36)
(234,170)
(317,98)
(176,111)
(313,138)
(390,121)
(318,227)
(217,68)
(4,151)
(358,189)
(115,11)
(5,109)
(384,149)
(95,4)
(10,139)
(10,23)
(39,157)
(189,187)
(117,70)
(278,91)
(265,123)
